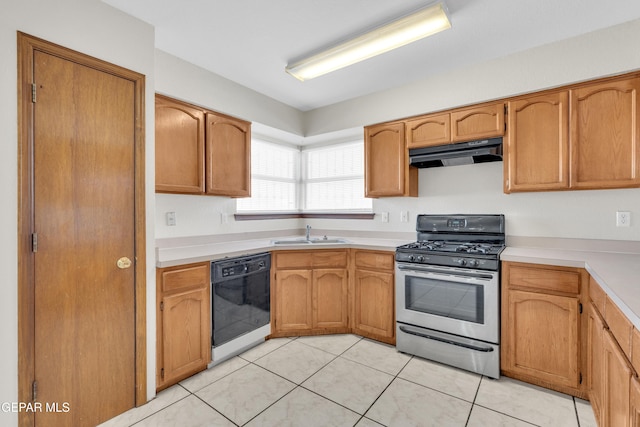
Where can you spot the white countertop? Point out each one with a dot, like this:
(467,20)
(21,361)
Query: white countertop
(618,273)
(189,253)
(616,268)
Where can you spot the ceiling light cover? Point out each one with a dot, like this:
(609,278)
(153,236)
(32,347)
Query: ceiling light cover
(400,32)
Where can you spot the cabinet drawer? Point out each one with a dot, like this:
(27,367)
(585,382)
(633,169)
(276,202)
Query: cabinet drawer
(597,295)
(619,325)
(310,259)
(546,278)
(330,259)
(635,350)
(177,278)
(292,259)
(374,260)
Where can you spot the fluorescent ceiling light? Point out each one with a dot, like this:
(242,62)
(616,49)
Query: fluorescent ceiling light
(400,32)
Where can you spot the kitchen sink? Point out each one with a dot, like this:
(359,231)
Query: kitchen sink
(314,241)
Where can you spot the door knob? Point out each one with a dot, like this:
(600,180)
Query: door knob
(124,262)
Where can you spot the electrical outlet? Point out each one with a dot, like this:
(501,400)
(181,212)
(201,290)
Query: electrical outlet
(384,216)
(623,219)
(404,216)
(171,218)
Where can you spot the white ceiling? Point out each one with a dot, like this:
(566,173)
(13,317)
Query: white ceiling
(251,41)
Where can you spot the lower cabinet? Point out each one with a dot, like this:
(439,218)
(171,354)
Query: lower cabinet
(333,291)
(634,401)
(595,374)
(541,325)
(310,292)
(374,295)
(183,322)
(617,381)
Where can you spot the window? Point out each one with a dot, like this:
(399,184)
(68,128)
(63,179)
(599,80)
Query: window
(315,179)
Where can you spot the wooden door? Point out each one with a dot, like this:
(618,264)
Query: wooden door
(537,146)
(294,300)
(228,156)
(617,378)
(179,147)
(595,352)
(330,307)
(477,122)
(79,342)
(434,129)
(387,172)
(374,304)
(605,135)
(542,339)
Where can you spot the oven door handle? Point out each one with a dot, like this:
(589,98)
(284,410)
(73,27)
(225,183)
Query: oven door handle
(422,269)
(444,340)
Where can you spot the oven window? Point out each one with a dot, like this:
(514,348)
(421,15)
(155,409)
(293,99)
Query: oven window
(460,301)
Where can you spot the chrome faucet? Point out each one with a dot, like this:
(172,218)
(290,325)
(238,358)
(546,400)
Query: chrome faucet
(308,232)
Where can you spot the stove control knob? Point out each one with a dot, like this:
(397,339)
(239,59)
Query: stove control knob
(462,261)
(473,263)
(420,258)
(412,258)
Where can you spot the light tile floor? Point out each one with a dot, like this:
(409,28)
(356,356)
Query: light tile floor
(346,380)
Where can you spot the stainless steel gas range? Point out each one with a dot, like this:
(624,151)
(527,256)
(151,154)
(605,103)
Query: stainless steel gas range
(448,291)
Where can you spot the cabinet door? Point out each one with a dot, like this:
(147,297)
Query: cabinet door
(595,352)
(634,401)
(617,379)
(429,130)
(541,339)
(228,156)
(477,122)
(374,304)
(179,147)
(330,298)
(605,149)
(537,147)
(186,334)
(294,300)
(387,171)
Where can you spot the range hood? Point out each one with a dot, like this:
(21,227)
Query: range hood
(463,153)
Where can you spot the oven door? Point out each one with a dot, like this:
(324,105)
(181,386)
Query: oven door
(457,301)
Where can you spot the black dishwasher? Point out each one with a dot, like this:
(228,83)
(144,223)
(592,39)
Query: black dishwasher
(240,296)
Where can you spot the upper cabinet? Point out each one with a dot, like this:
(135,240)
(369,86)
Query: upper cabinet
(387,171)
(478,122)
(466,124)
(584,137)
(228,156)
(426,131)
(537,143)
(201,152)
(605,149)
(179,147)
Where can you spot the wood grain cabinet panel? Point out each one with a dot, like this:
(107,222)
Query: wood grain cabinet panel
(543,337)
(183,322)
(485,121)
(228,156)
(605,132)
(617,381)
(434,129)
(179,135)
(595,352)
(619,325)
(537,144)
(387,172)
(294,300)
(634,401)
(330,304)
(635,350)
